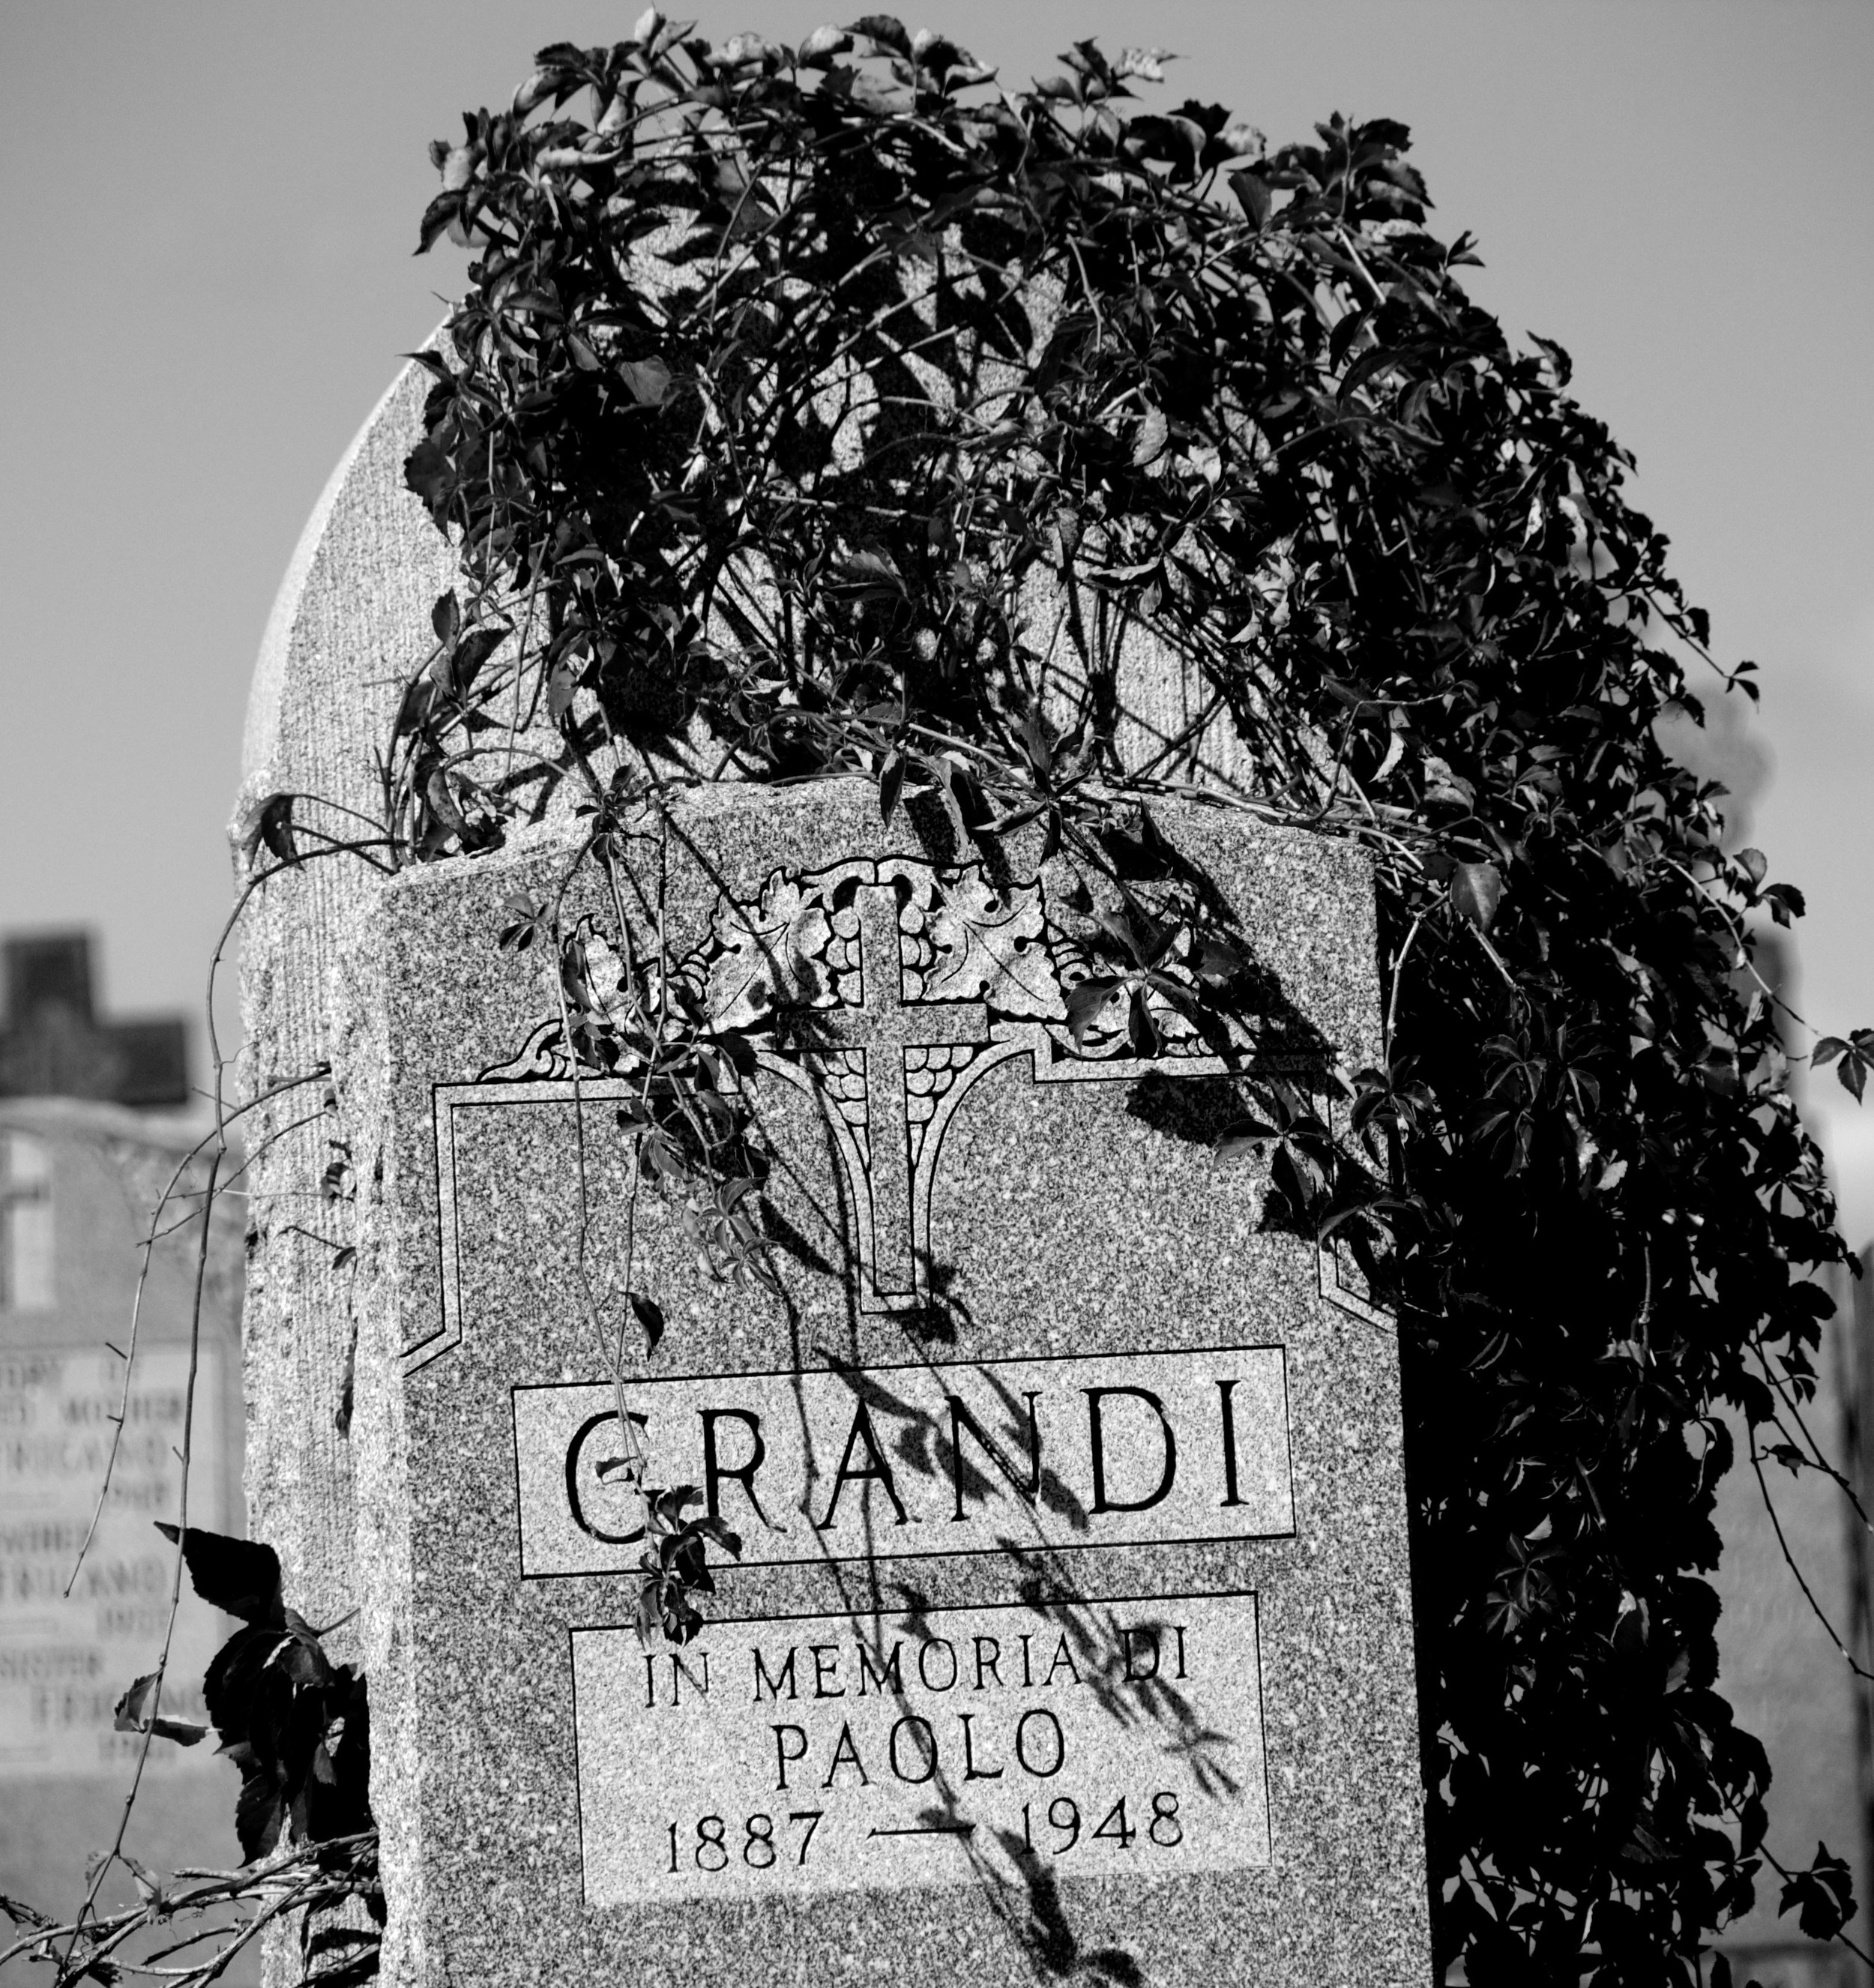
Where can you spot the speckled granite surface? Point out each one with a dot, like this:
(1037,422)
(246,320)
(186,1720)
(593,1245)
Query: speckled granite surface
(1071,1219)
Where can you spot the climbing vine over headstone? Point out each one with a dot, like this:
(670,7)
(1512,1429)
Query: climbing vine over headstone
(833,410)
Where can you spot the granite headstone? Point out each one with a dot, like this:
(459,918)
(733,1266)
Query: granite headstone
(1071,1624)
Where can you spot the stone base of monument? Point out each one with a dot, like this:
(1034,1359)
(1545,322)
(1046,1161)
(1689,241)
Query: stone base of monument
(1072,1628)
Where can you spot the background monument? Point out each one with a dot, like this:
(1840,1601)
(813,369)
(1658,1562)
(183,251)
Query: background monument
(81,1173)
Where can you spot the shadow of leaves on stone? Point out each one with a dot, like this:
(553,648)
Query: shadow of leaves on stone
(1048,1938)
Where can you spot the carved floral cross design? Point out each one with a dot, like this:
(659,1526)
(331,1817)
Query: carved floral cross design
(886,989)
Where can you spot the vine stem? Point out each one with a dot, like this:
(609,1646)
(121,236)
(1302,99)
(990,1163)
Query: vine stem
(1399,977)
(175,1585)
(143,1275)
(216,1143)
(1790,1561)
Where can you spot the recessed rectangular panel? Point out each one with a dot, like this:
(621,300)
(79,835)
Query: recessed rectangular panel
(999,1746)
(883,1463)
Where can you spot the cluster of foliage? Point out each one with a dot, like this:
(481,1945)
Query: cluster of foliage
(297,1726)
(830,410)
(824,410)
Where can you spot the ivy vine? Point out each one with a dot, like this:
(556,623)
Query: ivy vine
(832,409)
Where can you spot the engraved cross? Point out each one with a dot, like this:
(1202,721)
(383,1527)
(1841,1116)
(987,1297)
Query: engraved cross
(882,1027)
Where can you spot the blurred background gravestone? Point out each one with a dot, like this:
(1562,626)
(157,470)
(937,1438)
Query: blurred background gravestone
(92,1127)
(1780,1664)
(53,1044)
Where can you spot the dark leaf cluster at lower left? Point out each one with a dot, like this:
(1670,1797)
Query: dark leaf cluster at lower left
(295,1723)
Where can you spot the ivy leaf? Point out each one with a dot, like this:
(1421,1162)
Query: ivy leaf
(471,653)
(429,471)
(650,1315)
(439,217)
(1823,1896)
(1856,1059)
(1242,1136)
(1477,891)
(887,30)
(1086,1002)
(1141,1030)
(240,1578)
(442,801)
(648,380)
(1218,963)
(957,790)
(891,784)
(725,1537)
(1033,735)
(871,572)
(741,50)
(458,167)
(260,1809)
(561,682)
(1718,1067)
(1785,901)
(1253,191)
(818,50)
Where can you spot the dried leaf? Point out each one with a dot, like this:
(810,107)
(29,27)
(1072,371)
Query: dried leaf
(134,1710)
(275,828)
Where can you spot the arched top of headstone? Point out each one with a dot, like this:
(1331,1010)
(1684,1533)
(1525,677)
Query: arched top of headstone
(350,617)
(350,623)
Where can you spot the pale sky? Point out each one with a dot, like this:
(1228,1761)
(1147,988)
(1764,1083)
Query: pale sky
(209,216)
